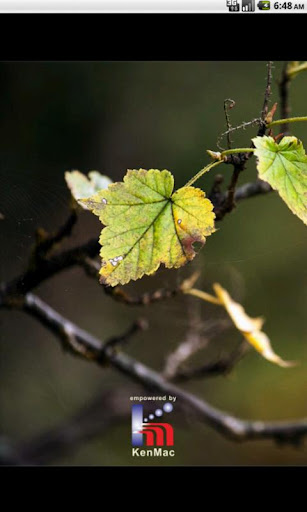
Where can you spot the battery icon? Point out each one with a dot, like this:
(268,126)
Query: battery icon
(264,5)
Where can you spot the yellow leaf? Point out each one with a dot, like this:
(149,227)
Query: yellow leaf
(242,321)
(261,343)
(249,327)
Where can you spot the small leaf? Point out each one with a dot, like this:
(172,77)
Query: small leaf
(260,341)
(284,167)
(81,187)
(147,224)
(242,321)
(249,327)
(294,68)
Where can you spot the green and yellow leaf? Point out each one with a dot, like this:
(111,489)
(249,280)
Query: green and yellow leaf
(284,167)
(148,225)
(82,186)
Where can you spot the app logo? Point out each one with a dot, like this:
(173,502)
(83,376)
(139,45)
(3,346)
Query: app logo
(146,431)
(248,5)
(233,5)
(264,5)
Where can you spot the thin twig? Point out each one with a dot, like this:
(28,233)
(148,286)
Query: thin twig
(119,294)
(228,105)
(230,426)
(267,94)
(46,241)
(197,338)
(244,125)
(118,341)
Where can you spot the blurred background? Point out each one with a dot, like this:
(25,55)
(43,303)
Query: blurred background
(110,116)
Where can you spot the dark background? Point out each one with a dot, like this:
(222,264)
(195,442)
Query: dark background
(111,116)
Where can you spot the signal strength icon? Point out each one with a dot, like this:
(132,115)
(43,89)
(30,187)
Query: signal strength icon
(248,5)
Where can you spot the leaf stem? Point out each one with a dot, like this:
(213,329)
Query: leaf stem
(286,121)
(237,150)
(202,171)
(296,69)
(203,295)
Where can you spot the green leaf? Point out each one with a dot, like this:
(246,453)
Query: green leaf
(147,225)
(284,167)
(81,187)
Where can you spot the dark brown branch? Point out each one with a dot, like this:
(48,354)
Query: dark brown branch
(229,202)
(218,197)
(226,202)
(226,424)
(11,293)
(106,409)
(46,241)
(145,299)
(239,160)
(46,268)
(246,191)
(222,366)
(252,189)
(284,86)
(119,294)
(41,269)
